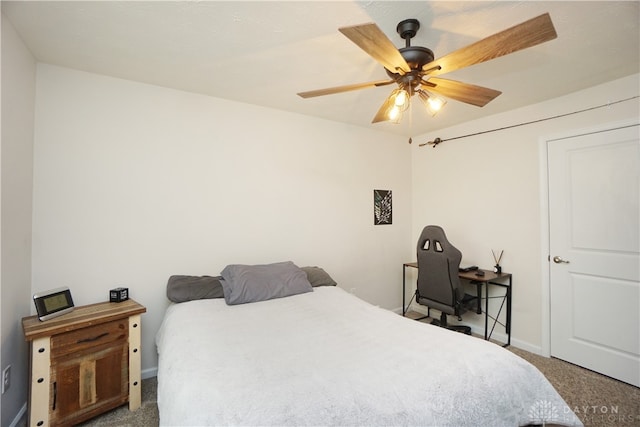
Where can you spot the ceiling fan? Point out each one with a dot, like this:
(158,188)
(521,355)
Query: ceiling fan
(414,69)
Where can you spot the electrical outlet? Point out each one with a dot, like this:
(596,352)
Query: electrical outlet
(6,378)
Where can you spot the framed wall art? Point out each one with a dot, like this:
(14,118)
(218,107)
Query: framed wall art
(382,207)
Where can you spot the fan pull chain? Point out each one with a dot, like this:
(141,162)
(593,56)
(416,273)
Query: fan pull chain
(411,115)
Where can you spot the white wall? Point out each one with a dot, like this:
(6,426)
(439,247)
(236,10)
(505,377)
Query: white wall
(485,190)
(18,98)
(134,183)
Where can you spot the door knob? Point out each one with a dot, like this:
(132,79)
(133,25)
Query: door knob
(559,260)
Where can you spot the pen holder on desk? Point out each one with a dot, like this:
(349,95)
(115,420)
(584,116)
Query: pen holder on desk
(497,269)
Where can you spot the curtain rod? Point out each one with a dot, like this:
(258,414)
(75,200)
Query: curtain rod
(439,140)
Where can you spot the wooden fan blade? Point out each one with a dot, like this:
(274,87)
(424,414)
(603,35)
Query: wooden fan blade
(463,92)
(346,88)
(381,115)
(373,41)
(527,34)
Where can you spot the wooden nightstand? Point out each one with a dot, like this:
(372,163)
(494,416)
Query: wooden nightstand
(84,363)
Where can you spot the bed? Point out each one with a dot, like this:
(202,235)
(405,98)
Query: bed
(326,358)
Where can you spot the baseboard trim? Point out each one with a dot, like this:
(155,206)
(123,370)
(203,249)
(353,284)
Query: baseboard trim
(21,414)
(149,373)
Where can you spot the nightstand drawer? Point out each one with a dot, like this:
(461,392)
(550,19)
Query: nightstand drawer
(89,338)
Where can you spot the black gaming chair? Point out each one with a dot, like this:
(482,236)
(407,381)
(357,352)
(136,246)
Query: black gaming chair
(438,282)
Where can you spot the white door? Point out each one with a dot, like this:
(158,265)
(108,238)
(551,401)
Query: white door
(594,190)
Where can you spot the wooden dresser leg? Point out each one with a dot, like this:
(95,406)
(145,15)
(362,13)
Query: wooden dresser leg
(135,378)
(40,382)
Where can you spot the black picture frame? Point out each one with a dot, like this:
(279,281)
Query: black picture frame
(382,207)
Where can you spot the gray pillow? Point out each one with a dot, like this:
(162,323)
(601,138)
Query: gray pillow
(187,288)
(318,277)
(251,283)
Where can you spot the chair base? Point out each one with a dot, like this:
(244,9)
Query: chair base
(457,328)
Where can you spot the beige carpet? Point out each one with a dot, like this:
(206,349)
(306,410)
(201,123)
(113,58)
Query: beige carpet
(596,399)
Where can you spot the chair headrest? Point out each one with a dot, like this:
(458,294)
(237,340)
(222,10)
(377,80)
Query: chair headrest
(433,238)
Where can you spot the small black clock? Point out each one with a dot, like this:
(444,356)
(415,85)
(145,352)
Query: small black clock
(53,303)
(118,294)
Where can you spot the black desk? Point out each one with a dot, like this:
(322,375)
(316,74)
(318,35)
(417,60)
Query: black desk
(490,278)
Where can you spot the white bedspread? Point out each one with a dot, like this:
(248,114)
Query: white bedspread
(328,358)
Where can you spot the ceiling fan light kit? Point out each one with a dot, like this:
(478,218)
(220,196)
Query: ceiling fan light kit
(413,68)
(431,102)
(395,106)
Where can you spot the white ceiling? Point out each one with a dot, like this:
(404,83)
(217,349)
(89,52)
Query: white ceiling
(264,52)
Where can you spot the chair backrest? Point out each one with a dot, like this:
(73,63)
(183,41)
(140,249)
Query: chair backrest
(438,262)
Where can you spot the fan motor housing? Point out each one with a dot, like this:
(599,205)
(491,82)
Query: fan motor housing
(416,57)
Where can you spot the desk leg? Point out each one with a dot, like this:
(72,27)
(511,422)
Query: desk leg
(479,295)
(486,313)
(508,325)
(404,269)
